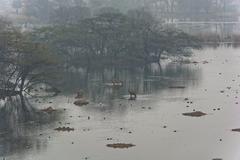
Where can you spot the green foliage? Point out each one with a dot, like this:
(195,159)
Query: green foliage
(135,37)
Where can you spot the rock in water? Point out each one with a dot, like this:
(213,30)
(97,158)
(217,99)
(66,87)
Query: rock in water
(48,110)
(236,130)
(64,129)
(81,102)
(195,114)
(120,145)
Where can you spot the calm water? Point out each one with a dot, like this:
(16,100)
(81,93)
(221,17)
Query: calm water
(203,138)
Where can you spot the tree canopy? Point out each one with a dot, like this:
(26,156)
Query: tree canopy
(23,62)
(135,37)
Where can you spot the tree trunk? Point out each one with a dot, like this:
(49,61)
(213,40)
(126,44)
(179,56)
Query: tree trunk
(159,57)
(8,93)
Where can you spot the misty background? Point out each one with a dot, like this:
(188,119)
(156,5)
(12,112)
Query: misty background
(192,16)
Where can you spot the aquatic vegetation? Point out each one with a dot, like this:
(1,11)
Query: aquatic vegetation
(81,102)
(195,114)
(49,110)
(64,129)
(120,145)
(236,130)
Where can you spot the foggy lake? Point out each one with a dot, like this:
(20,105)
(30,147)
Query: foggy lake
(154,123)
(119,79)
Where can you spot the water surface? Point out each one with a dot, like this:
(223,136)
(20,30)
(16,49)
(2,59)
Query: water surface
(154,122)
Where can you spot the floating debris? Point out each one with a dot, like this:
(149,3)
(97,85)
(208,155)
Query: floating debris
(86,129)
(236,130)
(120,145)
(81,102)
(64,129)
(177,87)
(114,83)
(195,114)
(205,62)
(48,110)
(195,62)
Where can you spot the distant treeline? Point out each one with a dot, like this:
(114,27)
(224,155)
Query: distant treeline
(116,38)
(48,11)
(110,38)
(214,39)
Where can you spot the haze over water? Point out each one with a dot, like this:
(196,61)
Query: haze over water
(154,122)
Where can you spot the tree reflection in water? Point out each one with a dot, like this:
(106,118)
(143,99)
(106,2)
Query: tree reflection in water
(144,80)
(20,126)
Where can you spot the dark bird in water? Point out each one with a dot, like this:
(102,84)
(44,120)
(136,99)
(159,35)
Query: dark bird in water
(79,95)
(133,95)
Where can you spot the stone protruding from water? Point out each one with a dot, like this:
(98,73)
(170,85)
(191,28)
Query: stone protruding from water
(195,114)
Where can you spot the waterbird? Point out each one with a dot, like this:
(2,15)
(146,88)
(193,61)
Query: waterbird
(133,95)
